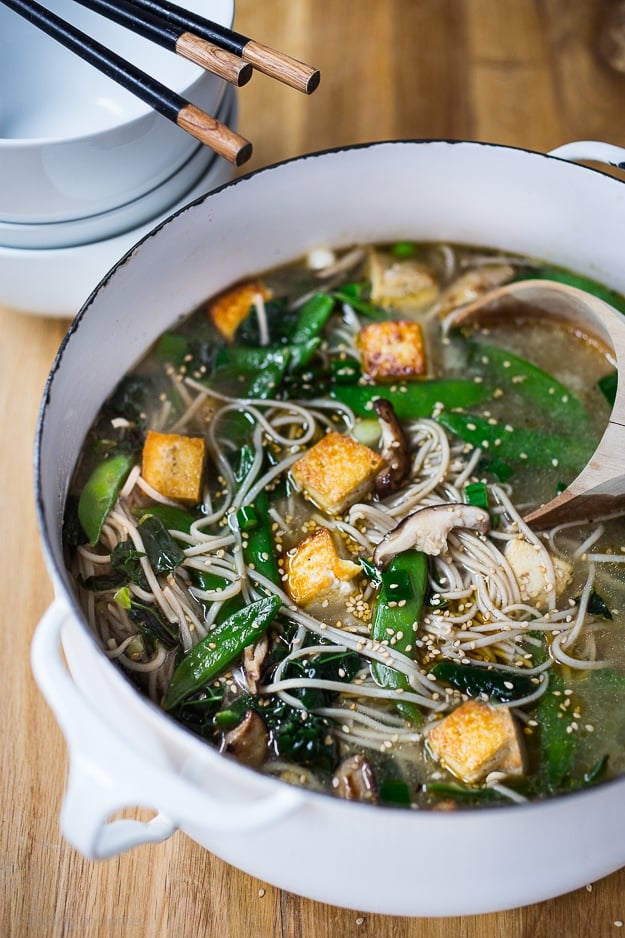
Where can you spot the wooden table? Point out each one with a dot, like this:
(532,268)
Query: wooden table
(522,72)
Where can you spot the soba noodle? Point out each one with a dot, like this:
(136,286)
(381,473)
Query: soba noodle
(478,613)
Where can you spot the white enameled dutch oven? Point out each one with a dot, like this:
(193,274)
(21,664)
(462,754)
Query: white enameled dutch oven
(122,750)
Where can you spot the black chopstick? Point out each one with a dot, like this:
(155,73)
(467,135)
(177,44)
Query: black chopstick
(276,64)
(213,58)
(189,117)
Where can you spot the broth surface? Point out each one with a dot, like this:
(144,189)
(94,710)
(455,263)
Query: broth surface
(297,525)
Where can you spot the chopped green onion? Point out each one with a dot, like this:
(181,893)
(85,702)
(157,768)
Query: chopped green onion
(403,249)
(476,494)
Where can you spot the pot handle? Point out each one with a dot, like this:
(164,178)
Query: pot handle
(591,150)
(106,775)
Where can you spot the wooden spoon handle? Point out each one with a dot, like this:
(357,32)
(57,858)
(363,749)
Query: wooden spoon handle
(598,490)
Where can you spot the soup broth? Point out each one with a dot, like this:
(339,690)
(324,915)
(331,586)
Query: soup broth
(297,525)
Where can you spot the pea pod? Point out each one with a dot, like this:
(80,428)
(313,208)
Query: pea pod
(312,318)
(503,686)
(259,370)
(532,383)
(415,399)
(395,623)
(517,444)
(577,280)
(223,645)
(100,493)
(258,547)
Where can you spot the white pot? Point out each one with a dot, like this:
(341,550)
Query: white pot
(123,750)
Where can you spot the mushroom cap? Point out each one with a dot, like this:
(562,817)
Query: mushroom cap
(427,529)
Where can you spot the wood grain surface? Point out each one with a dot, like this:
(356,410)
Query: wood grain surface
(520,72)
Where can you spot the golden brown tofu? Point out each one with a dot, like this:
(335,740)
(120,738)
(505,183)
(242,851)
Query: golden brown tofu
(336,472)
(174,465)
(228,310)
(402,284)
(393,350)
(314,568)
(476,739)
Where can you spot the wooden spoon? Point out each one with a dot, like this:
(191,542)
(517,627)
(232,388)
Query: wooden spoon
(600,487)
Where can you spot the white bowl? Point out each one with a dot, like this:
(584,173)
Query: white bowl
(125,751)
(72,141)
(81,231)
(55,281)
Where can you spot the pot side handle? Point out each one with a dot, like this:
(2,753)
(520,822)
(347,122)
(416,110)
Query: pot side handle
(105,774)
(591,150)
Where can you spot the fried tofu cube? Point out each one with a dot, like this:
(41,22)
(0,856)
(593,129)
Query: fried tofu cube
(404,284)
(393,350)
(228,310)
(336,472)
(174,465)
(314,568)
(475,739)
(534,578)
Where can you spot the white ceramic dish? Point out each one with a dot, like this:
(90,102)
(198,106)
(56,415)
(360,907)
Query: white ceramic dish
(122,750)
(86,145)
(80,231)
(55,281)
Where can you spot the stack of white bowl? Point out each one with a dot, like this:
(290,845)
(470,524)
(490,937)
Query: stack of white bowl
(86,168)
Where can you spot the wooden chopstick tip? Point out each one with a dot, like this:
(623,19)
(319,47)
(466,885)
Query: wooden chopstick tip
(282,67)
(313,81)
(220,138)
(218,61)
(243,153)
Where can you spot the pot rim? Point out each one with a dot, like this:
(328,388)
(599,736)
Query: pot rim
(145,705)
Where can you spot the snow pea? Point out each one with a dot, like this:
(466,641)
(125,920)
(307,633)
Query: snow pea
(577,280)
(258,548)
(223,645)
(259,371)
(312,318)
(395,622)
(511,372)
(100,493)
(517,444)
(415,399)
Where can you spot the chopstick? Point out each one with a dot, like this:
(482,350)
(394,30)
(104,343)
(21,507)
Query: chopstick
(271,62)
(174,107)
(213,58)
